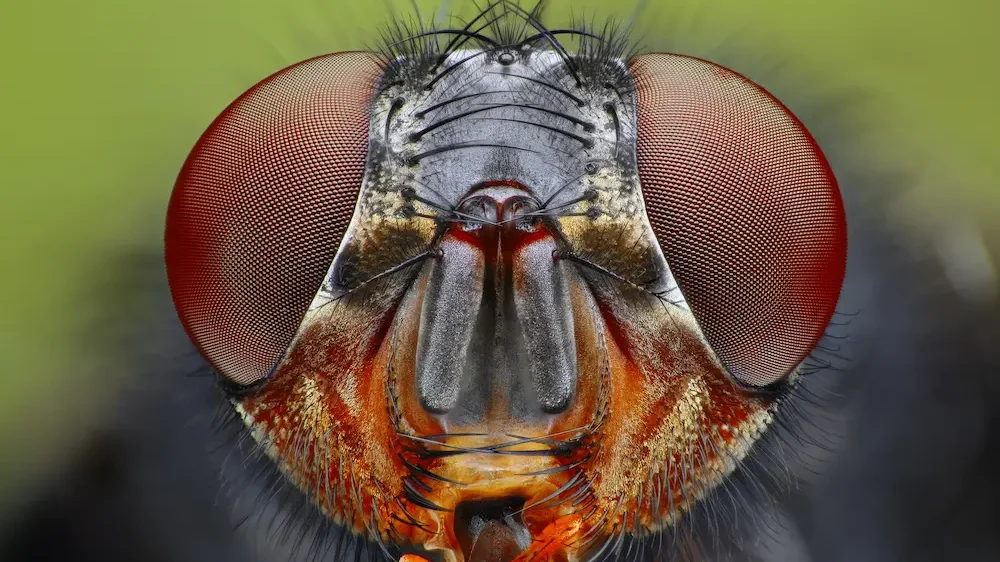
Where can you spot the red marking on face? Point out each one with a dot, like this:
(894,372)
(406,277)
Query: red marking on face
(500,183)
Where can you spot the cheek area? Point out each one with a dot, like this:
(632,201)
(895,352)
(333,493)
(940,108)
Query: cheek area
(651,424)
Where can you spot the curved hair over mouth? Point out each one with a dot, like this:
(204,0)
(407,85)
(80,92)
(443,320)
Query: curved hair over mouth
(504,292)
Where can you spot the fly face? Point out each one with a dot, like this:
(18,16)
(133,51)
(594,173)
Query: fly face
(487,298)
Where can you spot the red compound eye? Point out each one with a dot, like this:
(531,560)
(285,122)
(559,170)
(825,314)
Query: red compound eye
(746,210)
(261,205)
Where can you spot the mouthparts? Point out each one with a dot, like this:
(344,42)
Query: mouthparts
(488,531)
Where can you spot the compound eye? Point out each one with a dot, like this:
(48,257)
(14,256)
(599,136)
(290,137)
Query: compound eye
(746,210)
(260,207)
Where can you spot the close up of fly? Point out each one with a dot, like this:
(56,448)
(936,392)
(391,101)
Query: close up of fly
(497,292)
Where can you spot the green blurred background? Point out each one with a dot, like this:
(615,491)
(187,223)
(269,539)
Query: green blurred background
(101,100)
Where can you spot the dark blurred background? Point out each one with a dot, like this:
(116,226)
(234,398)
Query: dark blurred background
(103,99)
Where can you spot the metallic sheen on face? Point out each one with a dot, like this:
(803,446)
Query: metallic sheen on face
(495,138)
(484,121)
(496,323)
